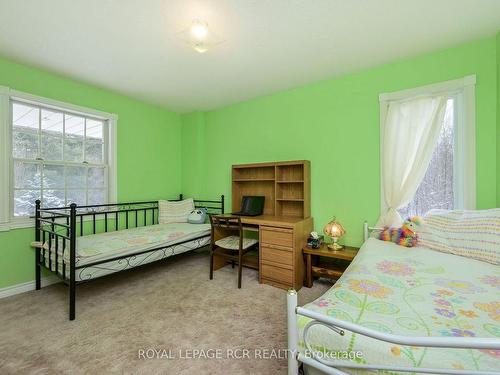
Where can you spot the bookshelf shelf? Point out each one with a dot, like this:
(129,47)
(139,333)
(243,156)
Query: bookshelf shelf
(286,186)
(253,179)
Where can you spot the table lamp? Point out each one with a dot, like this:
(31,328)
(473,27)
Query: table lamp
(334,230)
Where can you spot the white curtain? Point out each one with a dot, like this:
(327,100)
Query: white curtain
(410,134)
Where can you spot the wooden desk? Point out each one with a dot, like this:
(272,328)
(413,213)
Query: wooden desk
(280,248)
(339,260)
(269,220)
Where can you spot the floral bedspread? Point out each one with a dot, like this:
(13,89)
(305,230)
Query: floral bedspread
(104,245)
(412,292)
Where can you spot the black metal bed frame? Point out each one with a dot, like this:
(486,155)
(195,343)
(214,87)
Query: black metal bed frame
(59,226)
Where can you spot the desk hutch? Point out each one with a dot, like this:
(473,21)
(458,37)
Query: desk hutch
(286,222)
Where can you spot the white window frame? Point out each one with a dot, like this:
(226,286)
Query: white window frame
(7,96)
(464,166)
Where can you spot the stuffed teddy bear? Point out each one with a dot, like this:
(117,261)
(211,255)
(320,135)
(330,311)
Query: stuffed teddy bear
(406,235)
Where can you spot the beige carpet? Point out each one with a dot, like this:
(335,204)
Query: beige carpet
(170,306)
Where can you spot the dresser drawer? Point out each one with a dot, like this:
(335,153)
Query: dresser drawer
(279,274)
(276,236)
(277,254)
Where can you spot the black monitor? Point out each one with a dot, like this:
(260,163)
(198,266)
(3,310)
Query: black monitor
(251,206)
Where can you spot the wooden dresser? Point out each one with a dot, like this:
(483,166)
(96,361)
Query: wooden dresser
(286,223)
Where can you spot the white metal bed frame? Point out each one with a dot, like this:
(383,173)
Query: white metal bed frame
(340,326)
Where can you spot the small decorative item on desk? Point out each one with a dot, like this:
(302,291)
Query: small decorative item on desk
(335,230)
(314,240)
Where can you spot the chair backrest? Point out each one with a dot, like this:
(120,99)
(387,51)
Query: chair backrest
(226,224)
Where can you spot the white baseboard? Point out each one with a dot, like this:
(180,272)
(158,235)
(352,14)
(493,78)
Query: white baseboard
(26,287)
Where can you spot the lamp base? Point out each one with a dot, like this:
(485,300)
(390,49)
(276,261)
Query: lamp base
(335,246)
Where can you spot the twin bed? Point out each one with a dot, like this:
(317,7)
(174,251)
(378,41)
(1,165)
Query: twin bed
(398,310)
(81,243)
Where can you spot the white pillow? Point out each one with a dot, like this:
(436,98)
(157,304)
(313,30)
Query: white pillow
(174,212)
(472,234)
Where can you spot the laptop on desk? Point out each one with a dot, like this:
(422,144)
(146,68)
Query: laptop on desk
(251,206)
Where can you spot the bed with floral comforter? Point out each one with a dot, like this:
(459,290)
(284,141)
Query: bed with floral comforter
(411,292)
(170,239)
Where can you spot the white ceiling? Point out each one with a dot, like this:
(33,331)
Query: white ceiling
(130,46)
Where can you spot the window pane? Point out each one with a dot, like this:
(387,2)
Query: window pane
(74,125)
(97,196)
(76,196)
(24,202)
(436,189)
(25,145)
(52,132)
(53,176)
(25,117)
(94,130)
(73,149)
(74,134)
(53,198)
(52,122)
(96,178)
(26,175)
(51,147)
(76,177)
(94,151)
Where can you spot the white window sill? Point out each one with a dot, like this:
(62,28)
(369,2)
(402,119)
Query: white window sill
(17,224)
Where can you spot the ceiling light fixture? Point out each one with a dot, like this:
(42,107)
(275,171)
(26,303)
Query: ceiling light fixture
(199,36)
(199,30)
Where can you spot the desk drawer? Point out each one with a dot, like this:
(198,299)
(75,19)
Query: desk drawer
(279,274)
(277,255)
(276,236)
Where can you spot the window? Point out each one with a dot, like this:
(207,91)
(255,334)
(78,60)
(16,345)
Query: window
(58,153)
(449,182)
(437,188)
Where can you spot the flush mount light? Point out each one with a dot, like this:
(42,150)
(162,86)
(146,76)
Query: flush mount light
(199,36)
(199,30)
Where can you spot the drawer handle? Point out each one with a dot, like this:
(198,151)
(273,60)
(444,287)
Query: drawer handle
(282,230)
(273,263)
(277,247)
(280,278)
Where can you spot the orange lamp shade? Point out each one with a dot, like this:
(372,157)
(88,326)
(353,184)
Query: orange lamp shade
(334,230)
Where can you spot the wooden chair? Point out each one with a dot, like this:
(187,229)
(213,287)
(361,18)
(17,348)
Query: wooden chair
(233,245)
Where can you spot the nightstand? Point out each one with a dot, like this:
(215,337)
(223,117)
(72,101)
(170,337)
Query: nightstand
(324,262)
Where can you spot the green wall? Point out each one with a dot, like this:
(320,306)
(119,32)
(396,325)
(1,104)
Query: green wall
(193,154)
(335,125)
(149,162)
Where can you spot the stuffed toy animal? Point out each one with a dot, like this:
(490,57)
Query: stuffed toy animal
(198,216)
(406,235)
